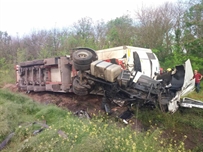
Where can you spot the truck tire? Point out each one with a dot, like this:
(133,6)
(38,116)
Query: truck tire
(137,64)
(80,92)
(78,89)
(94,57)
(82,67)
(82,57)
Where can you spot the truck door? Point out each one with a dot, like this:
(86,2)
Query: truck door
(154,63)
(144,62)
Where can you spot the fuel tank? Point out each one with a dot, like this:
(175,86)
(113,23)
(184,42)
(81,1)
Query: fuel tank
(105,70)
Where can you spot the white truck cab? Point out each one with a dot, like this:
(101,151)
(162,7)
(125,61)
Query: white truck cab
(135,58)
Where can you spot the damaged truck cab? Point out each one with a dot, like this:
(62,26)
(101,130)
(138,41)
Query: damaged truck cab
(87,71)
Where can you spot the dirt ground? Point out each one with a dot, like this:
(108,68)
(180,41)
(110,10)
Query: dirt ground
(74,103)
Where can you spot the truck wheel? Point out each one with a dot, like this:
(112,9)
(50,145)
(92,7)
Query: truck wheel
(82,57)
(94,54)
(81,66)
(80,92)
(78,89)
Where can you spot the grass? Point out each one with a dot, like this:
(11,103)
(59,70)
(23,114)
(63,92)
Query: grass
(185,122)
(7,75)
(98,134)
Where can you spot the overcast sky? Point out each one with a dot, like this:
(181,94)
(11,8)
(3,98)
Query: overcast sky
(23,16)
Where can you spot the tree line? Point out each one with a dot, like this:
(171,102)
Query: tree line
(174,31)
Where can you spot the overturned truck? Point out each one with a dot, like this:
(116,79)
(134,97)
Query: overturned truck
(83,73)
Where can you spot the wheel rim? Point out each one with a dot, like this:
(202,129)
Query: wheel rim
(82,55)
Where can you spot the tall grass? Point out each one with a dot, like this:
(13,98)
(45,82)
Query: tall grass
(66,132)
(197,96)
(7,74)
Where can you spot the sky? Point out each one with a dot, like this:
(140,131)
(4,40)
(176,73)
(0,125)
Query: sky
(20,17)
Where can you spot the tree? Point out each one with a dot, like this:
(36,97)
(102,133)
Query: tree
(83,32)
(193,29)
(120,31)
(100,31)
(154,28)
(5,45)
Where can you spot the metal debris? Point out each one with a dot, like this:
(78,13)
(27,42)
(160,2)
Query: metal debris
(4,143)
(38,131)
(119,102)
(126,115)
(82,114)
(106,106)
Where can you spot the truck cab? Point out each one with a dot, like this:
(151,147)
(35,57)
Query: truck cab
(134,58)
